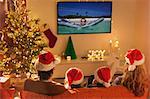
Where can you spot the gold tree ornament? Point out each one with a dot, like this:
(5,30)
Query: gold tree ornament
(20,37)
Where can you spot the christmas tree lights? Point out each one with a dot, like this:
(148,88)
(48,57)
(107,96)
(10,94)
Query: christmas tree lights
(21,40)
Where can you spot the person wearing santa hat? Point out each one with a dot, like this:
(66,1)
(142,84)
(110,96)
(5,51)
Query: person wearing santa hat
(45,65)
(102,77)
(73,78)
(135,77)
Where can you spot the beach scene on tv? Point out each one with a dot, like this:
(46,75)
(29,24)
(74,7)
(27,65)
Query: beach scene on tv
(84,17)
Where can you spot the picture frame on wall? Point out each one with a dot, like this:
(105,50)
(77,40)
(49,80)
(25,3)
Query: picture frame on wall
(84,17)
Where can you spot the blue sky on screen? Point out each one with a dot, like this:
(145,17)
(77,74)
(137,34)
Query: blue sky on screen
(92,9)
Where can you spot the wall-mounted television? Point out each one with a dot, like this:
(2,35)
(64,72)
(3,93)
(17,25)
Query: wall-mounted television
(84,17)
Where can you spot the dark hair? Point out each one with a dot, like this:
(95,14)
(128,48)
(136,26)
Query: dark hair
(136,80)
(45,75)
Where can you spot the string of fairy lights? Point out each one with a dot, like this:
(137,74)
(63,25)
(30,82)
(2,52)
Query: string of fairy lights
(21,40)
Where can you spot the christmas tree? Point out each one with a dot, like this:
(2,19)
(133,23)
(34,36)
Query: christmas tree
(21,40)
(70,49)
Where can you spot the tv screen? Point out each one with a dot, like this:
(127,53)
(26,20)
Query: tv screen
(84,17)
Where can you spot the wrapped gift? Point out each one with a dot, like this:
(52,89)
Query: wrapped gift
(4,82)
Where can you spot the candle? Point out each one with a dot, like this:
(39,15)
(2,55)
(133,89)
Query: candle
(116,43)
(68,58)
(110,45)
(110,41)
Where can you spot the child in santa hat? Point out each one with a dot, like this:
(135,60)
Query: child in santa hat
(135,76)
(45,65)
(102,77)
(73,78)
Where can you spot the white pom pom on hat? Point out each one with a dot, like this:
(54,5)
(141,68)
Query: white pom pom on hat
(73,76)
(45,61)
(134,57)
(103,75)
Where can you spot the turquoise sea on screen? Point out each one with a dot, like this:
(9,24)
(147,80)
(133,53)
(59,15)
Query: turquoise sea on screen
(103,26)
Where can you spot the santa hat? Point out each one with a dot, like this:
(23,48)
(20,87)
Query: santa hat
(45,61)
(73,76)
(103,75)
(134,57)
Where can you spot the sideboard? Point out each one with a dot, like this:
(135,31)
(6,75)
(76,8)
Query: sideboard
(88,67)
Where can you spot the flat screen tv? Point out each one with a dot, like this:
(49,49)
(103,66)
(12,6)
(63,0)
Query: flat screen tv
(84,17)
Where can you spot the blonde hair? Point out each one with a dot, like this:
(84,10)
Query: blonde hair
(136,80)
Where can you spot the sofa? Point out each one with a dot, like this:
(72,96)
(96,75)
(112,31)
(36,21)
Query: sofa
(7,94)
(113,92)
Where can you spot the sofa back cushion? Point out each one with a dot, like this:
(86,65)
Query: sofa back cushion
(6,94)
(46,88)
(113,92)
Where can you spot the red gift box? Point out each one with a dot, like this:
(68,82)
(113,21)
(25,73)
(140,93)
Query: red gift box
(4,82)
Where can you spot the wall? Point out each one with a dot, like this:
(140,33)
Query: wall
(142,33)
(148,40)
(123,26)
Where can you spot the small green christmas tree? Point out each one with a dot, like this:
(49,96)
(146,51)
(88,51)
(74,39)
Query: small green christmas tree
(70,49)
(22,40)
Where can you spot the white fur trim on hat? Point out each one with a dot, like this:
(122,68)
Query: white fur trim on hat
(131,67)
(66,85)
(106,84)
(44,67)
(57,59)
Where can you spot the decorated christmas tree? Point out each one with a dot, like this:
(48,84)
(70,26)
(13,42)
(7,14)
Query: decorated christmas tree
(21,40)
(70,49)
